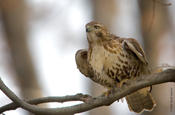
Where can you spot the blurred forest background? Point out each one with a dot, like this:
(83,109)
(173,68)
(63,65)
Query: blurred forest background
(39,39)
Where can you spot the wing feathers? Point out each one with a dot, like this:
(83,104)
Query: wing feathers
(133,46)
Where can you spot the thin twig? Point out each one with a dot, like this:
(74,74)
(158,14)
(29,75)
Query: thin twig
(68,98)
(139,83)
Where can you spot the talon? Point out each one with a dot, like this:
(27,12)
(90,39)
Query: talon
(123,82)
(150,88)
(108,92)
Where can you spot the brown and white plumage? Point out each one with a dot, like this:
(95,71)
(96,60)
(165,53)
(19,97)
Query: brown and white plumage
(114,60)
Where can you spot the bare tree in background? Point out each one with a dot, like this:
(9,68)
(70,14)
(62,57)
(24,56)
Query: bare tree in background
(155,25)
(14,14)
(104,11)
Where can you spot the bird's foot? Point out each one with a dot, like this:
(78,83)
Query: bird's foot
(123,82)
(109,92)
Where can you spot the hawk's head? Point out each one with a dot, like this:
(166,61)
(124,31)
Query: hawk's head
(96,31)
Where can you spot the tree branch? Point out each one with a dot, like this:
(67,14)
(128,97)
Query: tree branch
(68,98)
(132,86)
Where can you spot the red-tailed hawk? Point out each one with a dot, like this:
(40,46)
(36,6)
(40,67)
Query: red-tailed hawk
(111,61)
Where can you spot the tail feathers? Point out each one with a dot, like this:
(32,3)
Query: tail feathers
(140,100)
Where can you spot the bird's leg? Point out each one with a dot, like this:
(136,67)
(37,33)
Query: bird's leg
(108,92)
(111,91)
(123,82)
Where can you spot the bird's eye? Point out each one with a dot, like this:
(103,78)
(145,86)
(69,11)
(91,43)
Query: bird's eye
(96,27)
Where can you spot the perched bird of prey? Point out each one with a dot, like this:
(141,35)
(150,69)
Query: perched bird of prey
(111,61)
